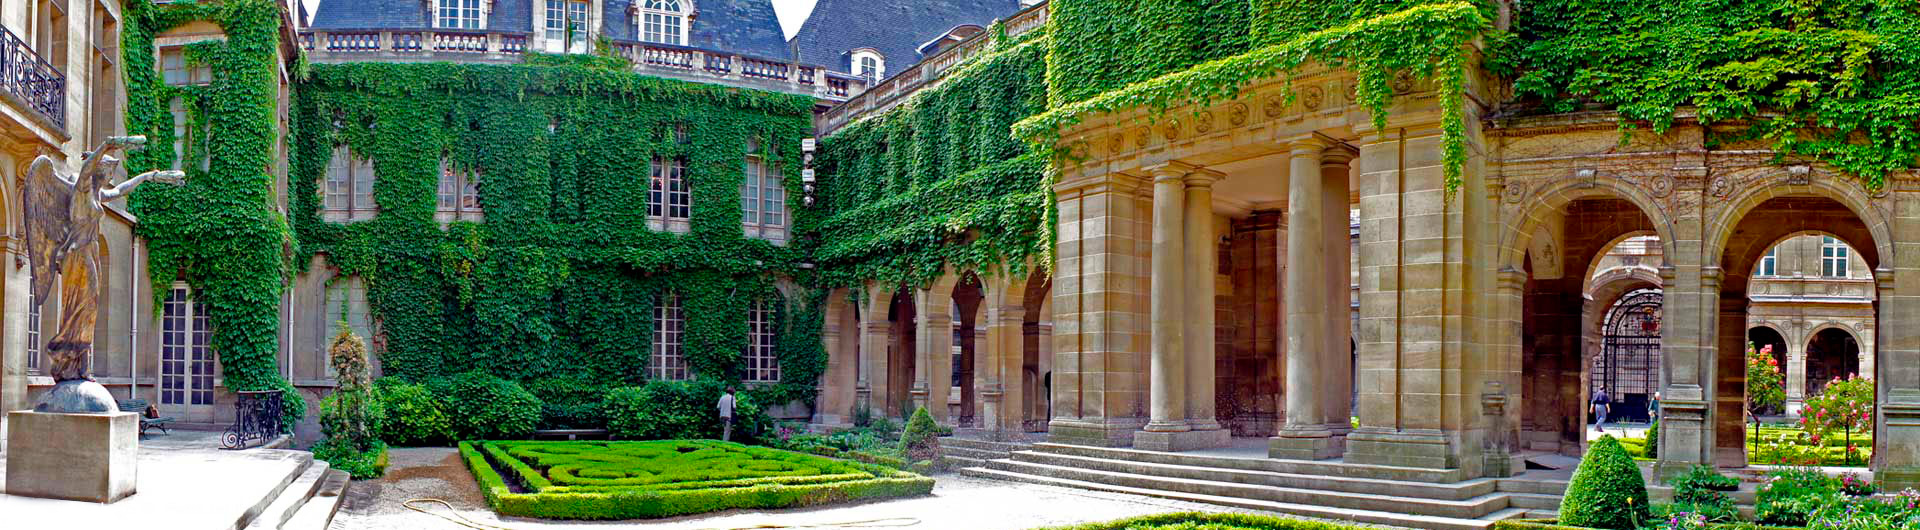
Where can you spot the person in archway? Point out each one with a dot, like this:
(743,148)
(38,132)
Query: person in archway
(1653,408)
(1601,403)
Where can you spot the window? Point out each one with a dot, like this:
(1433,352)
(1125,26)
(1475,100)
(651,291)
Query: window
(1768,262)
(667,196)
(33,333)
(763,200)
(663,22)
(346,302)
(458,14)
(175,71)
(186,356)
(763,364)
(667,363)
(1833,257)
(459,190)
(349,190)
(869,64)
(566,23)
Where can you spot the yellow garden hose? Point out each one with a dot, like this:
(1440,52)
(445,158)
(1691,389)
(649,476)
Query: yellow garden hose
(462,520)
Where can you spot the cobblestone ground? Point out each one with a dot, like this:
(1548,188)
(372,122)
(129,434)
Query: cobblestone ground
(957,502)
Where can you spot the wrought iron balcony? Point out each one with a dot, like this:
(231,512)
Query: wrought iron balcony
(31,81)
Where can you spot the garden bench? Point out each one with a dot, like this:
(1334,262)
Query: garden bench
(139,406)
(571,434)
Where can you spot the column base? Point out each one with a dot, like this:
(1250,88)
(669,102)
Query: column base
(1203,425)
(1422,449)
(1174,442)
(1168,426)
(1295,446)
(1116,432)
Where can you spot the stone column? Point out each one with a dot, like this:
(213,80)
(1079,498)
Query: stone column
(1336,378)
(13,350)
(1167,374)
(1202,254)
(838,382)
(1796,380)
(1304,435)
(874,335)
(934,331)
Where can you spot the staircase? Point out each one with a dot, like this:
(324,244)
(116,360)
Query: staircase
(959,453)
(1396,496)
(306,502)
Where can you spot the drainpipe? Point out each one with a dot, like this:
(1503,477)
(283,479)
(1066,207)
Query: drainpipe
(133,316)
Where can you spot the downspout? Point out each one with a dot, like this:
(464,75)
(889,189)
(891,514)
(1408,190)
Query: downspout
(133,315)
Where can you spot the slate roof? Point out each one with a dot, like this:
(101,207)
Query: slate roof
(740,26)
(896,28)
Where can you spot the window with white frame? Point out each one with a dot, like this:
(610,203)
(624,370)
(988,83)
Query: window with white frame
(175,71)
(457,14)
(1769,262)
(763,199)
(667,195)
(667,363)
(186,351)
(459,189)
(763,364)
(663,22)
(349,186)
(33,332)
(1833,257)
(567,23)
(869,64)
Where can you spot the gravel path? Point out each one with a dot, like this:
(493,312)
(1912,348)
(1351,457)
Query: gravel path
(957,502)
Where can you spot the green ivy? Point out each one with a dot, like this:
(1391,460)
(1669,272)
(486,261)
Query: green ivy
(937,181)
(221,232)
(1104,45)
(1836,80)
(560,281)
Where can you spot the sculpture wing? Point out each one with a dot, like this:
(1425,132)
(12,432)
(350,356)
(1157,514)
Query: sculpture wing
(48,198)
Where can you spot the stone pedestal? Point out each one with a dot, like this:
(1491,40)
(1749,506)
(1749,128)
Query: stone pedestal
(1182,440)
(1304,446)
(80,457)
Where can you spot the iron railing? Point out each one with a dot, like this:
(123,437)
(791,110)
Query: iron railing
(256,416)
(27,76)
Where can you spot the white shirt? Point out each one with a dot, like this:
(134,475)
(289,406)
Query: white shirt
(726,405)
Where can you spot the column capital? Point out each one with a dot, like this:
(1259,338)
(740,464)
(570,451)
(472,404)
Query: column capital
(1175,169)
(1307,145)
(1337,155)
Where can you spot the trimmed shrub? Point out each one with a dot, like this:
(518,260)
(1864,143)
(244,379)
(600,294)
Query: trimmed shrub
(569,403)
(1606,491)
(413,416)
(483,407)
(920,442)
(1653,439)
(370,463)
(680,410)
(627,480)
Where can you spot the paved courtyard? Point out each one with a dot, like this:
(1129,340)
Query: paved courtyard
(957,502)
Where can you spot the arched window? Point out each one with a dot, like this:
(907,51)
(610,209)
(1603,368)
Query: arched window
(664,22)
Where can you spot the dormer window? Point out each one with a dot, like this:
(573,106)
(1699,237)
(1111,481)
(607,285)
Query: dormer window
(664,22)
(869,64)
(457,14)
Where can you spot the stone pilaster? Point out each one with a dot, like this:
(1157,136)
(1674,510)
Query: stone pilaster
(1336,377)
(875,336)
(13,350)
(1099,297)
(1304,434)
(933,378)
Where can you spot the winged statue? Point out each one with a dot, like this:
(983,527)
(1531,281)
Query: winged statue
(63,213)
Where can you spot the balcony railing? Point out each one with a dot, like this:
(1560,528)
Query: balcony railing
(887,93)
(648,58)
(24,75)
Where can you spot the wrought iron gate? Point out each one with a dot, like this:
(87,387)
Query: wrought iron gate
(1629,361)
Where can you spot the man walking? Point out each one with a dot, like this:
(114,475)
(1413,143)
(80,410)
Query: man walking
(1601,403)
(726,415)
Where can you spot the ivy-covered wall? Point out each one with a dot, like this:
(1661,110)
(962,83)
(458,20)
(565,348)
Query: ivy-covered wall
(221,232)
(558,286)
(937,181)
(1103,45)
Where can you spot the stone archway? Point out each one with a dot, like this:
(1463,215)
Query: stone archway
(901,353)
(1833,352)
(969,328)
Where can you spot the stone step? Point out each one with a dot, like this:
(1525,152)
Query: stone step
(1308,510)
(983,445)
(1509,513)
(261,509)
(1542,514)
(1534,501)
(1425,490)
(1540,487)
(957,462)
(979,454)
(1279,465)
(291,498)
(318,512)
(1448,508)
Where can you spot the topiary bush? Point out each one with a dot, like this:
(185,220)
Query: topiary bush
(483,407)
(1606,491)
(413,415)
(1653,439)
(921,441)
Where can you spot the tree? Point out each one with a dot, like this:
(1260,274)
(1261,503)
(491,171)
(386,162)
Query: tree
(1765,385)
(1844,405)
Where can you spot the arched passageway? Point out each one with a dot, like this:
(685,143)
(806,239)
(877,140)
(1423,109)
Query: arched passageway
(1832,353)
(901,349)
(967,336)
(1628,366)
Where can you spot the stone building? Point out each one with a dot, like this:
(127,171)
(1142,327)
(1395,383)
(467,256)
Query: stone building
(1813,300)
(68,99)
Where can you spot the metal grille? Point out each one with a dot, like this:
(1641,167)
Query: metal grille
(668,322)
(1629,361)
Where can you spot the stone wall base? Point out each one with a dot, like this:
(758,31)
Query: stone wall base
(78,457)
(1182,441)
(1422,450)
(1111,433)
(1310,448)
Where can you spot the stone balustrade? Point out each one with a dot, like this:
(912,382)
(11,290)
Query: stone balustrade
(928,72)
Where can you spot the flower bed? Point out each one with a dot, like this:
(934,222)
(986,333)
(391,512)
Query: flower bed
(631,480)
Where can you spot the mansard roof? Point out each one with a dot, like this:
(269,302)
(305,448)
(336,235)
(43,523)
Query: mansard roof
(896,28)
(740,26)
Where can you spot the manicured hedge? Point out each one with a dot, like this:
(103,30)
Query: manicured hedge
(1210,521)
(632,480)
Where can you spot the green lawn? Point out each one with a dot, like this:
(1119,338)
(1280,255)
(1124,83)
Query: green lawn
(629,480)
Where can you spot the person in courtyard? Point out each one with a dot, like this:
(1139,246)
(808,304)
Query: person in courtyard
(1653,408)
(1601,403)
(726,415)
